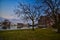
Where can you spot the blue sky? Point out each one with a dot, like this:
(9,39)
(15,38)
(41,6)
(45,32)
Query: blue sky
(7,7)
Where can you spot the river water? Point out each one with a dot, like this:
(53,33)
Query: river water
(15,28)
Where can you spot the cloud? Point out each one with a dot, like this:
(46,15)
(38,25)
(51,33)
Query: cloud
(10,17)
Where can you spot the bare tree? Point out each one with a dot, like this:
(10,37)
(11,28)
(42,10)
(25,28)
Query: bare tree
(29,12)
(53,7)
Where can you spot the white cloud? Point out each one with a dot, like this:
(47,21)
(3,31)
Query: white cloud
(10,17)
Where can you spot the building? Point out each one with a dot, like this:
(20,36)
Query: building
(6,24)
(45,21)
(20,25)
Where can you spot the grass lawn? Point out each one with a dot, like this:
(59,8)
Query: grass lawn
(37,34)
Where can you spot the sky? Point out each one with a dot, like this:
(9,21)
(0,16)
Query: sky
(7,7)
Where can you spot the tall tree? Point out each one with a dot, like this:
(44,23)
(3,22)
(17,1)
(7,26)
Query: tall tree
(53,7)
(29,12)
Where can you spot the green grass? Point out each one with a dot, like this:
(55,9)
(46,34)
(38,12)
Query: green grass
(37,34)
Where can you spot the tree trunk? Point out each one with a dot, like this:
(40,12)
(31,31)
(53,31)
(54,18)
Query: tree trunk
(32,24)
(58,30)
(58,24)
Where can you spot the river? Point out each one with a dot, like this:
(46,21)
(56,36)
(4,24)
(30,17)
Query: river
(15,28)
